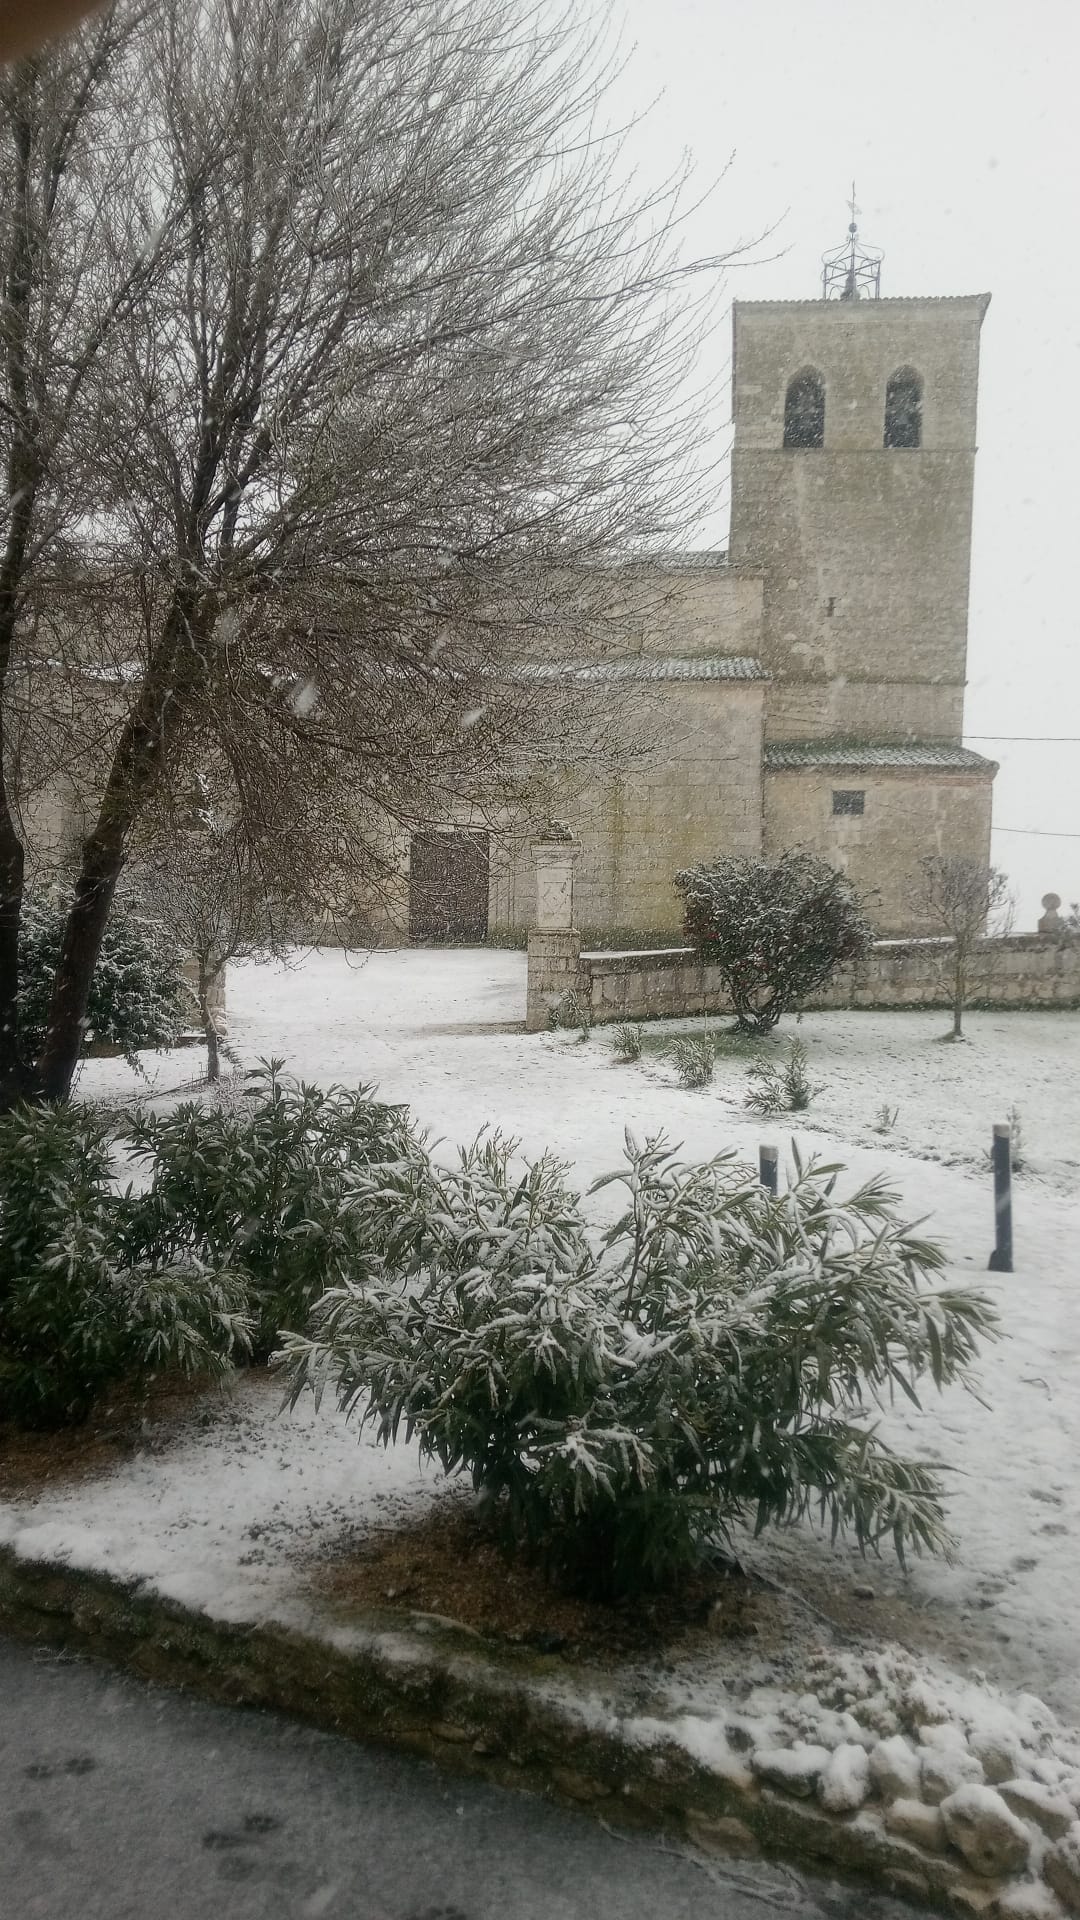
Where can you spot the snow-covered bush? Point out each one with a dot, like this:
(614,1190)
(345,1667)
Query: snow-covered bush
(626,1042)
(76,1313)
(693,1057)
(297,1187)
(623,1408)
(781,1089)
(775,929)
(137,996)
(571,1011)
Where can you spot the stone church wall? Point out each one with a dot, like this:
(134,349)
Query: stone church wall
(696,792)
(907,814)
(701,605)
(846,709)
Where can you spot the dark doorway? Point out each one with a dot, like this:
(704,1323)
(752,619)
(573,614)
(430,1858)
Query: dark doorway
(448,886)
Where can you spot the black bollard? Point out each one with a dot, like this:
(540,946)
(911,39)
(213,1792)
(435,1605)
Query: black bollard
(769,1167)
(1001,1260)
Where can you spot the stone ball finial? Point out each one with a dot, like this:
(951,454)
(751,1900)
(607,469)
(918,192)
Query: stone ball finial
(1051,921)
(1051,901)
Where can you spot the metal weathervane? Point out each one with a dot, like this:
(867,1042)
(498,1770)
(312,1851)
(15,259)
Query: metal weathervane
(852,271)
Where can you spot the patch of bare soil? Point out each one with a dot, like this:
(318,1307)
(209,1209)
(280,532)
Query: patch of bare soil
(448,1565)
(145,1416)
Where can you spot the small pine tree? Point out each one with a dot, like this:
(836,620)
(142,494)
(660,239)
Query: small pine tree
(775,929)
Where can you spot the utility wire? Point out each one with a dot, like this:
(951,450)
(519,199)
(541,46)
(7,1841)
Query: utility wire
(1038,833)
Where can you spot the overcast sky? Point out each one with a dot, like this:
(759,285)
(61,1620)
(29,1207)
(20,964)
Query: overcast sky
(959,124)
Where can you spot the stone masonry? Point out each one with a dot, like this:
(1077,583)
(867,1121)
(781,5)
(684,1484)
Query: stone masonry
(1022,970)
(554,944)
(806,688)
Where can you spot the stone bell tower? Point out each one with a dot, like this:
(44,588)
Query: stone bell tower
(852,476)
(852,479)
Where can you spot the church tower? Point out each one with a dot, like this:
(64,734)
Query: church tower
(852,481)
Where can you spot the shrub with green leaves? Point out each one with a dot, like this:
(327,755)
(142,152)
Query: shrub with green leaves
(693,1056)
(622,1409)
(626,1042)
(296,1187)
(137,994)
(774,929)
(77,1314)
(572,1010)
(781,1089)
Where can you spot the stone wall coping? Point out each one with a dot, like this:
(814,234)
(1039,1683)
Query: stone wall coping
(438,1689)
(640,961)
(636,960)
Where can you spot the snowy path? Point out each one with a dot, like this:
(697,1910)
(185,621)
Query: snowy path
(441,1030)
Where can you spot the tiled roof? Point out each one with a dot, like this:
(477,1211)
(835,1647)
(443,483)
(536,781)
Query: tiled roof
(689,559)
(886,300)
(876,753)
(646,666)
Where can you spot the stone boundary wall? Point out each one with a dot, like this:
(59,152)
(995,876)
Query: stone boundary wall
(444,1695)
(1027,970)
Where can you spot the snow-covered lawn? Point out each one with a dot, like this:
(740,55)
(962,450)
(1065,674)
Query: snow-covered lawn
(441,1030)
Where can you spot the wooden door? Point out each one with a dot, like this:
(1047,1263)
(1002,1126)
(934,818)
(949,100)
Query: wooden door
(448,886)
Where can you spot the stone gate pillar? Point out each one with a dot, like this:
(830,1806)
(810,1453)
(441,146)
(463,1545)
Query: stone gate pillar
(554,944)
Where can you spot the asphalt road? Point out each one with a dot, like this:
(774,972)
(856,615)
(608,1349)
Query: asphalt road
(119,1801)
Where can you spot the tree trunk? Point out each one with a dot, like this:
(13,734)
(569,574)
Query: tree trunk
(14,1079)
(213,1051)
(959,995)
(210,1031)
(24,472)
(141,752)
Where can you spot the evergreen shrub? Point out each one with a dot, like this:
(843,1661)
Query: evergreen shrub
(781,1089)
(137,993)
(775,929)
(296,1187)
(77,1313)
(621,1409)
(626,1042)
(693,1056)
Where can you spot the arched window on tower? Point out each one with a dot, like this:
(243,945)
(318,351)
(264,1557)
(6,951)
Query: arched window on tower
(804,410)
(903,409)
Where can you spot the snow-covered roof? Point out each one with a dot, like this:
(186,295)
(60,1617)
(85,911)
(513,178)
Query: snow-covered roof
(646,666)
(876,753)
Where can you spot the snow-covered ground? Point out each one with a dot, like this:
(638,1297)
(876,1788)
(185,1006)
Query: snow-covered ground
(441,1030)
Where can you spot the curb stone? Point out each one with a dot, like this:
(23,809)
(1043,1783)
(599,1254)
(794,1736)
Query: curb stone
(438,1695)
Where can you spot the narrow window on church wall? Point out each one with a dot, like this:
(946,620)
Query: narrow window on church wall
(903,409)
(848,800)
(804,411)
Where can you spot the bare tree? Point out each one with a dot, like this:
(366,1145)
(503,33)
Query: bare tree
(70,264)
(967,899)
(391,398)
(225,893)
